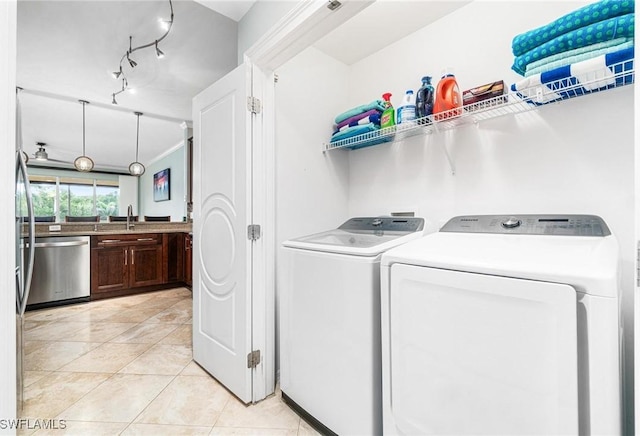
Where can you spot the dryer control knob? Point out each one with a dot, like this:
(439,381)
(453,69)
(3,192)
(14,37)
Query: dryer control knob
(376,222)
(511,223)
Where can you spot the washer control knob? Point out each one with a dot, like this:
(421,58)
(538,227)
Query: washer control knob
(511,223)
(376,222)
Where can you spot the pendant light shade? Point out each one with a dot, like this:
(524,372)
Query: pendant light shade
(83,163)
(136,168)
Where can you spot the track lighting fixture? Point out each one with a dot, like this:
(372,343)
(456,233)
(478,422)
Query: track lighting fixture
(83,163)
(136,168)
(166,25)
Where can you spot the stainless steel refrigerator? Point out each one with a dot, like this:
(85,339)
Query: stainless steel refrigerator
(25,246)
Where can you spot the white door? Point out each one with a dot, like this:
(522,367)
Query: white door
(222,252)
(468,353)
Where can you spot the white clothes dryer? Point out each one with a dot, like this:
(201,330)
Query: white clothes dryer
(503,325)
(330,323)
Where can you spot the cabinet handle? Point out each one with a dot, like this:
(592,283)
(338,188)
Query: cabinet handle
(146,239)
(109,241)
(132,258)
(126,254)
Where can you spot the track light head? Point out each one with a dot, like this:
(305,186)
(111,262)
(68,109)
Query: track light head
(132,62)
(116,74)
(159,52)
(114,100)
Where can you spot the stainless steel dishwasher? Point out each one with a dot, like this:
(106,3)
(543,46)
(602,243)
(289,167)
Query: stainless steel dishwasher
(61,271)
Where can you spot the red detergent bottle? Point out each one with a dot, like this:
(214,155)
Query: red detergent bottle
(447,98)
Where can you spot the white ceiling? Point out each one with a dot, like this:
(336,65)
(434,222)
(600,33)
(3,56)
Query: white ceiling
(234,9)
(381,24)
(68,49)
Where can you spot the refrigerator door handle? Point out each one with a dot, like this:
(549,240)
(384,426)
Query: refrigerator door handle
(21,166)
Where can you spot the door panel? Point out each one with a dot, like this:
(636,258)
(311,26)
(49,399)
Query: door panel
(109,269)
(221,250)
(146,265)
(500,352)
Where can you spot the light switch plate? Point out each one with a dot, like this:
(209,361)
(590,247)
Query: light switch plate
(55,228)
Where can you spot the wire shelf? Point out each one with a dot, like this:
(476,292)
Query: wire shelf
(514,102)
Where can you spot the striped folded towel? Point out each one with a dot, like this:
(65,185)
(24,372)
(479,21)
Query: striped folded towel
(373,118)
(593,13)
(577,55)
(618,27)
(375,104)
(584,77)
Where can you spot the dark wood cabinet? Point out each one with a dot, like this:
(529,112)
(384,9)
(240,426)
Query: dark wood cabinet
(120,262)
(136,262)
(188,259)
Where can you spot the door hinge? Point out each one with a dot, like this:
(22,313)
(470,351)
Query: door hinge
(253,359)
(253,105)
(253,232)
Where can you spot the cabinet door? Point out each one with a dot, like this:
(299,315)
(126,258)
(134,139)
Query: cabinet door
(145,266)
(188,244)
(109,269)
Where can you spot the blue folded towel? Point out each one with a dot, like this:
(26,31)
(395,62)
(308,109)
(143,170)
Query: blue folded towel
(354,131)
(584,77)
(376,104)
(582,17)
(622,26)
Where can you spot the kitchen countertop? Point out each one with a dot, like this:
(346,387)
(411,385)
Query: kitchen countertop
(90,229)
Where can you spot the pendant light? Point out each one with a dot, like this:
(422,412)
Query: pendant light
(136,168)
(83,163)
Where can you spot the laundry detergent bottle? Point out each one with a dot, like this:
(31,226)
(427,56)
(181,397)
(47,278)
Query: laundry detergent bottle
(447,98)
(388,118)
(407,110)
(424,99)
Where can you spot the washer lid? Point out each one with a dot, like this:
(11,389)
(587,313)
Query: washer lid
(590,264)
(368,236)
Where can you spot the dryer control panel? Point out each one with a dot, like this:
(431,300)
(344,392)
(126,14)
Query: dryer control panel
(559,225)
(384,224)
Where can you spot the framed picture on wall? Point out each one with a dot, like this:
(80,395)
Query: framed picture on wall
(161,185)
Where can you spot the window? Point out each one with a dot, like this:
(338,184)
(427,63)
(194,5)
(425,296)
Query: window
(62,196)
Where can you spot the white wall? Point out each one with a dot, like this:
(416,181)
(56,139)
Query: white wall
(175,206)
(128,194)
(7,217)
(258,20)
(573,157)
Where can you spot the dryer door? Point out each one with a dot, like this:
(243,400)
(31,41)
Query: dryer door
(479,354)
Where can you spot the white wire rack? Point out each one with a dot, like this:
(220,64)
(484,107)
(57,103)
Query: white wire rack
(514,102)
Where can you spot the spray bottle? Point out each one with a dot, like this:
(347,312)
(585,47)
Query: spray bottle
(388,118)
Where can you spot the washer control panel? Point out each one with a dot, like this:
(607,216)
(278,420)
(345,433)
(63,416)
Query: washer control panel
(559,225)
(385,224)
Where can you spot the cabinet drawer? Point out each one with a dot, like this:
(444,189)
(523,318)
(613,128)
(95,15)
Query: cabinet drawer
(126,240)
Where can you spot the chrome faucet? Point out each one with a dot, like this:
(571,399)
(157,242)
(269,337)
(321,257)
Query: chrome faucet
(130,224)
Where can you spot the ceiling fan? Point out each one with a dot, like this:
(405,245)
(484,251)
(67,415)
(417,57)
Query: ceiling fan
(42,156)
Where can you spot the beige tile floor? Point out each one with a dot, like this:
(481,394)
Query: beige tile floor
(124,366)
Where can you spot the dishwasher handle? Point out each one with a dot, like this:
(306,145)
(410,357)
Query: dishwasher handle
(59,244)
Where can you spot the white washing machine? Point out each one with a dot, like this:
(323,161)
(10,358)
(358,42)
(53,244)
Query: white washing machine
(330,323)
(503,325)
